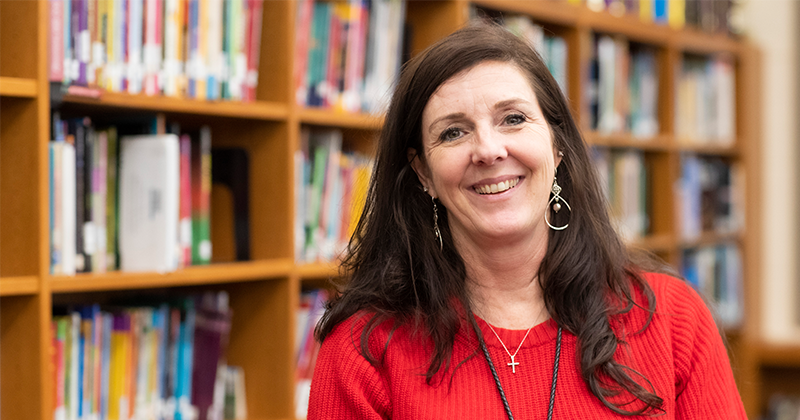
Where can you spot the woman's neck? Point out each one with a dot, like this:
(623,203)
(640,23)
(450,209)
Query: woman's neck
(503,284)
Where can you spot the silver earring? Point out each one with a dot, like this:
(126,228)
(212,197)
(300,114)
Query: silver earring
(556,202)
(436,223)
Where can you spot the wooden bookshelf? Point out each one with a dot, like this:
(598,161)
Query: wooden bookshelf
(18,87)
(265,290)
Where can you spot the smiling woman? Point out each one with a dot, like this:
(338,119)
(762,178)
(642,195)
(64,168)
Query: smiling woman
(473,294)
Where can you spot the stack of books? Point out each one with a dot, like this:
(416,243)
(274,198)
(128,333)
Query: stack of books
(146,362)
(132,195)
(200,49)
(330,192)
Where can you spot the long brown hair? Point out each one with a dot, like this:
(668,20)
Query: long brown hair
(396,271)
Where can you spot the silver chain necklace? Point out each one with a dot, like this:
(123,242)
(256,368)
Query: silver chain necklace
(513,364)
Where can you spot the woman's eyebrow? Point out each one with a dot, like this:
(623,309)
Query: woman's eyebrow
(448,117)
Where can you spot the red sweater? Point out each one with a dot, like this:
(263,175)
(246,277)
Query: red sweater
(681,353)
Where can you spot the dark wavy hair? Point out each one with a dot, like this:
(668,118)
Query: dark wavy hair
(395,271)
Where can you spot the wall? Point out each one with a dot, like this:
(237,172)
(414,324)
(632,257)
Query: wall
(772,25)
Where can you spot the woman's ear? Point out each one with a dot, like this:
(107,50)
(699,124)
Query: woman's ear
(421,169)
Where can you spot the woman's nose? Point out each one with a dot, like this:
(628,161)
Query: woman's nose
(488,147)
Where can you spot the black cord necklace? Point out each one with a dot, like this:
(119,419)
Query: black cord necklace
(500,386)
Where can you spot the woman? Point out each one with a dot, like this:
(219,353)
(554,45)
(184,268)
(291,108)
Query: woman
(485,278)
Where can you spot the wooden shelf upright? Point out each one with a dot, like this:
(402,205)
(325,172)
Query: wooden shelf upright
(265,291)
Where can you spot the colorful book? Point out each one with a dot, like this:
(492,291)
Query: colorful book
(201,197)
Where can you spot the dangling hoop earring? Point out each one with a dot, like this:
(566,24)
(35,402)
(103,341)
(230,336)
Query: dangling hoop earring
(556,190)
(436,230)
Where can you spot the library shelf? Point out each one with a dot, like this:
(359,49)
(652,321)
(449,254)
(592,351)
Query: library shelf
(21,285)
(317,271)
(711,238)
(709,149)
(338,119)
(558,13)
(190,276)
(694,41)
(779,355)
(654,243)
(18,87)
(661,142)
(267,111)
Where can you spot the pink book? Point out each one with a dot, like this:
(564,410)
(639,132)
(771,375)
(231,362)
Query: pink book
(56,40)
(185,222)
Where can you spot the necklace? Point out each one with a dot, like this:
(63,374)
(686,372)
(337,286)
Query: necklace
(513,364)
(497,378)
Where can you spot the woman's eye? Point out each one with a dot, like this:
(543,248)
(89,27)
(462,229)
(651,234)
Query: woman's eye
(451,133)
(515,119)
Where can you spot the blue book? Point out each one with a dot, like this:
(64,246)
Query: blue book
(185,363)
(660,11)
(160,325)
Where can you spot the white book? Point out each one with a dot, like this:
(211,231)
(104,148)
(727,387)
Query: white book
(214,53)
(606,57)
(135,69)
(149,203)
(65,196)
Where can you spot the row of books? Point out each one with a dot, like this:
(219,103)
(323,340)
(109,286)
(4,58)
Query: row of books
(348,54)
(312,306)
(623,87)
(330,191)
(706,101)
(706,15)
(146,362)
(552,49)
(202,49)
(716,272)
(128,196)
(783,407)
(709,196)
(624,178)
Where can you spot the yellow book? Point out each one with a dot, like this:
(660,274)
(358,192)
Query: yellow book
(111,39)
(676,13)
(646,10)
(362,175)
(115,374)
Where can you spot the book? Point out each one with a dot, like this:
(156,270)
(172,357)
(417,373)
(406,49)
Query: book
(56,40)
(63,204)
(212,327)
(148,208)
(201,196)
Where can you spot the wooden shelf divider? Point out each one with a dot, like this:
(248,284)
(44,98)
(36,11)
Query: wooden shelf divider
(18,87)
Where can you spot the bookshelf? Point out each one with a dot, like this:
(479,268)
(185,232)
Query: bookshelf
(265,291)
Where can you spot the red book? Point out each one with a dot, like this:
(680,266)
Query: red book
(256,10)
(185,221)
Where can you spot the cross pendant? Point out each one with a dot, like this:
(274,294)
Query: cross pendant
(513,365)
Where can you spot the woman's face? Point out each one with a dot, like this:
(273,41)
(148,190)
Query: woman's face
(489,155)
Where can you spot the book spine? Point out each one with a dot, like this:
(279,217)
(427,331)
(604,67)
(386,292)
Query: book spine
(256,8)
(214,49)
(201,198)
(56,40)
(185,235)
(112,199)
(99,199)
(135,40)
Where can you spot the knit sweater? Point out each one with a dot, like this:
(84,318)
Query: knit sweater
(680,353)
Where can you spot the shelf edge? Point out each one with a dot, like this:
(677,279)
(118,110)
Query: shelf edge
(21,285)
(18,87)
